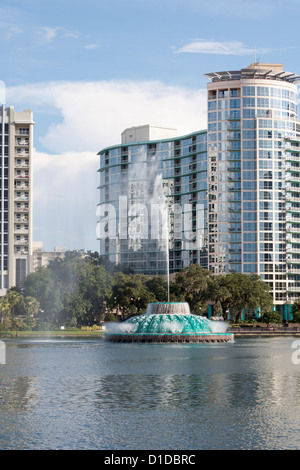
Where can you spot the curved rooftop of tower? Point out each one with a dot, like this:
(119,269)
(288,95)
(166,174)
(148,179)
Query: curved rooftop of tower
(255,70)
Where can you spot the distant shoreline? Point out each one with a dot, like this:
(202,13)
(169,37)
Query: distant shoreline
(250,330)
(236,330)
(45,334)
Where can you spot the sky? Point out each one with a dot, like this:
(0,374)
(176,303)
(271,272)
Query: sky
(88,70)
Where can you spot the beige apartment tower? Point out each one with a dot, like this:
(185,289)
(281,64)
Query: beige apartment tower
(16,144)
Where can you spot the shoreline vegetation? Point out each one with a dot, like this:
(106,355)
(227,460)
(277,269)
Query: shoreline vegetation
(254,329)
(53,333)
(80,293)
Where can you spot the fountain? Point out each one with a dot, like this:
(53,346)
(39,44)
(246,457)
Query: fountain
(169,322)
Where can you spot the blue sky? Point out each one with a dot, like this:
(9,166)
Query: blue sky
(90,69)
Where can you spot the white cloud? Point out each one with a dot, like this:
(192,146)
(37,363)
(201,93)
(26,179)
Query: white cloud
(65,199)
(92,46)
(10,31)
(47,34)
(221,48)
(90,116)
(94,114)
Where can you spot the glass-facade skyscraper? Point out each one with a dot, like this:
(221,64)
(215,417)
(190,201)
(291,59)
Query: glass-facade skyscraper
(129,196)
(240,179)
(253,180)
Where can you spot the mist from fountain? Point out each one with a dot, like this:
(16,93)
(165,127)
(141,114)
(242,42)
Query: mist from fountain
(148,202)
(159,199)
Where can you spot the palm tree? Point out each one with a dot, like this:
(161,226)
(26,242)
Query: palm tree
(15,301)
(4,309)
(31,306)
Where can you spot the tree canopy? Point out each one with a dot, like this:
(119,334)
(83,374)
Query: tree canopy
(240,292)
(81,290)
(296,311)
(193,285)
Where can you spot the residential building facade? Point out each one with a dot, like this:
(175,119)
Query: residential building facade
(253,191)
(41,258)
(16,143)
(129,193)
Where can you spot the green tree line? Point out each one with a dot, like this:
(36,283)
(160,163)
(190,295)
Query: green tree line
(79,291)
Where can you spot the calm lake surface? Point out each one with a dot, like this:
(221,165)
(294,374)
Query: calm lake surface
(92,394)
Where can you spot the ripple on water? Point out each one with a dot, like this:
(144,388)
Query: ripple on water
(95,395)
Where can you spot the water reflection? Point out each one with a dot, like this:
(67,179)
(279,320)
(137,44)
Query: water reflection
(91,394)
(150,392)
(195,391)
(16,394)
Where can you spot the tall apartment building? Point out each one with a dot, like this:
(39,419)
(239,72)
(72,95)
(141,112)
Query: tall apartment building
(243,172)
(253,173)
(129,186)
(16,143)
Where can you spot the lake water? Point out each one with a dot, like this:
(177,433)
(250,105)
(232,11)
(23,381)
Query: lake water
(92,394)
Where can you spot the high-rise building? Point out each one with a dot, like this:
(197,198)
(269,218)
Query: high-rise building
(242,174)
(16,143)
(253,174)
(132,229)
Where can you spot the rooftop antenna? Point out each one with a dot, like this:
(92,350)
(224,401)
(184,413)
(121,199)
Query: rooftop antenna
(255,53)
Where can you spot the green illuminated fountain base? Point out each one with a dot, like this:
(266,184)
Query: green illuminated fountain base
(169,322)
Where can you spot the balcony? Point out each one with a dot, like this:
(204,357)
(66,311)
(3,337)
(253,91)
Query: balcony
(293,189)
(21,198)
(21,176)
(291,260)
(233,179)
(293,199)
(293,249)
(293,241)
(21,252)
(23,219)
(294,146)
(24,209)
(291,177)
(22,166)
(290,218)
(22,154)
(21,186)
(21,230)
(293,229)
(22,142)
(233,168)
(292,157)
(21,241)
(20,130)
